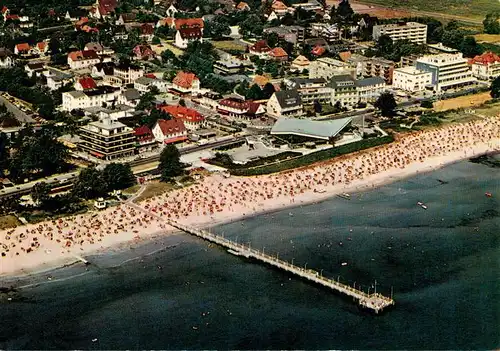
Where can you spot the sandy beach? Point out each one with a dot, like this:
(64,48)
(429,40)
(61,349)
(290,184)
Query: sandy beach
(215,199)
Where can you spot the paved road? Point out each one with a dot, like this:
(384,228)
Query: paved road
(18,114)
(22,189)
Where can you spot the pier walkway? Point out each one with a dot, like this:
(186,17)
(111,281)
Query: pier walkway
(375,302)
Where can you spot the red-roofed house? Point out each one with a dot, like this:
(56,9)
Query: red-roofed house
(189,23)
(486,66)
(23,49)
(279,8)
(242,6)
(104,8)
(143,52)
(260,48)
(192,119)
(145,140)
(318,51)
(168,132)
(240,108)
(186,35)
(41,48)
(82,59)
(147,32)
(278,54)
(165,22)
(81,22)
(85,83)
(185,83)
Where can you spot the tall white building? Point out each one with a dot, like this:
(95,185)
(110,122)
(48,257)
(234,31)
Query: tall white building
(448,71)
(411,79)
(413,31)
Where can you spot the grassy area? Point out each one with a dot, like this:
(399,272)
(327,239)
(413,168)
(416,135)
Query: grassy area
(314,157)
(165,46)
(476,9)
(9,221)
(228,45)
(466,101)
(153,189)
(487,38)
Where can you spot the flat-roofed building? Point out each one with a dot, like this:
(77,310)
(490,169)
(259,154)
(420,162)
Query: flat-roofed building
(322,130)
(344,90)
(448,71)
(413,31)
(327,67)
(107,139)
(411,79)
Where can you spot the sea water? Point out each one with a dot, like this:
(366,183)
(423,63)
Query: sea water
(180,292)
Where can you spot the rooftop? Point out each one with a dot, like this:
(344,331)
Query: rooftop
(314,129)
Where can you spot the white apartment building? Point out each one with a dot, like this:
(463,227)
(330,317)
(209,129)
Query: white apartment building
(107,139)
(310,90)
(411,79)
(344,90)
(82,59)
(369,89)
(413,31)
(101,96)
(448,71)
(327,67)
(128,73)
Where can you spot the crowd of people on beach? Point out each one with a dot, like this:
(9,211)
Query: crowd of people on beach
(216,198)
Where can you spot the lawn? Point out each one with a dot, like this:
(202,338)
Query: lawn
(9,221)
(154,188)
(471,9)
(466,101)
(228,45)
(488,38)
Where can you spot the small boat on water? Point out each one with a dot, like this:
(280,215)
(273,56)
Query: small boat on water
(344,263)
(344,196)
(488,194)
(421,204)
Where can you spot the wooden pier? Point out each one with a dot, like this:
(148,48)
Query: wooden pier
(374,302)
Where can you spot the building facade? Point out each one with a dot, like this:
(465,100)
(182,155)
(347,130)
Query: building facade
(413,31)
(411,79)
(285,103)
(448,71)
(107,139)
(485,66)
(328,67)
(311,90)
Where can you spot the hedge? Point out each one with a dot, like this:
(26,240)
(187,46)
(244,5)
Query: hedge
(313,157)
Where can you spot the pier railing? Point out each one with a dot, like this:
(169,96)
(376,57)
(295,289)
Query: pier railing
(375,302)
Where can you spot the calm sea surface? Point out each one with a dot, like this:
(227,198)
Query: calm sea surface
(443,264)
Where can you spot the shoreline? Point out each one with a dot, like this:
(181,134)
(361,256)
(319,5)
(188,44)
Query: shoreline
(235,209)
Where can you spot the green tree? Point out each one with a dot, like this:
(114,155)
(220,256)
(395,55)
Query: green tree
(386,103)
(118,176)
(268,90)
(217,28)
(254,93)
(146,101)
(470,48)
(491,23)
(170,163)
(426,104)
(453,38)
(40,193)
(272,39)
(155,40)
(495,88)
(90,184)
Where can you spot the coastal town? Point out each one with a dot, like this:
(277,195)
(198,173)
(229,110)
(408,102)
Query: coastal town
(117,113)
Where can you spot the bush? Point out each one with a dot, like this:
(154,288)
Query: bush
(426,104)
(313,157)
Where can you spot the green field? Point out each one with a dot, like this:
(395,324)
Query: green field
(476,9)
